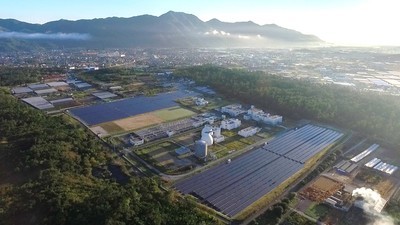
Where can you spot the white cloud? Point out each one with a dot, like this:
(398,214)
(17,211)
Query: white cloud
(243,37)
(54,36)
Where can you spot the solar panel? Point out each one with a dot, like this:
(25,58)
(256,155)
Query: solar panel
(120,109)
(230,188)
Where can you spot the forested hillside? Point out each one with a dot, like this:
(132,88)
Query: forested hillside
(374,115)
(46,177)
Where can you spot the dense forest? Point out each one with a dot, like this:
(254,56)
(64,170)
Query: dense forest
(46,166)
(372,114)
(12,76)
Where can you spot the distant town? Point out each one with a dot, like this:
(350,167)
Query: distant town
(374,69)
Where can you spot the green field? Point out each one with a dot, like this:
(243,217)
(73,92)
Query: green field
(173,113)
(317,210)
(167,146)
(295,219)
(111,127)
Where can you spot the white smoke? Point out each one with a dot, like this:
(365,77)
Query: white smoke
(52,36)
(372,203)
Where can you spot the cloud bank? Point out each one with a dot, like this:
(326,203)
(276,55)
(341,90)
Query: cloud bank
(45,36)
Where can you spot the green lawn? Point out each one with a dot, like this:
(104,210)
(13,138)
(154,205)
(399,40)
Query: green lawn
(167,146)
(296,219)
(229,133)
(173,113)
(317,210)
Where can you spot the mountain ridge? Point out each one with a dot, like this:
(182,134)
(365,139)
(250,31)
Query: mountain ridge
(171,29)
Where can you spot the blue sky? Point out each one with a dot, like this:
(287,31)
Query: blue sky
(361,22)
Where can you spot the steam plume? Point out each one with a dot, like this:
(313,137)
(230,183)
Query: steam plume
(372,203)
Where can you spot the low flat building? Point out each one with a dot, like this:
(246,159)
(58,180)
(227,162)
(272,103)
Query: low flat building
(104,95)
(45,91)
(230,124)
(57,84)
(38,102)
(233,110)
(249,131)
(38,86)
(135,140)
(261,116)
(21,90)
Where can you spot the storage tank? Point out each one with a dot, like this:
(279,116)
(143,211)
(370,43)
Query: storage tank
(200,149)
(206,135)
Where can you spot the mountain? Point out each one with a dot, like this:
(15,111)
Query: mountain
(172,29)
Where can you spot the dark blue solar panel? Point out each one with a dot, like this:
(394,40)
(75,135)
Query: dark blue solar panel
(230,188)
(120,109)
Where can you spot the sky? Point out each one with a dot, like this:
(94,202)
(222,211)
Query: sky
(342,22)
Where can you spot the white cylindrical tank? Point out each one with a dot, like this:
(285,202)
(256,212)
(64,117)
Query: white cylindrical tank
(206,130)
(207,138)
(206,135)
(200,149)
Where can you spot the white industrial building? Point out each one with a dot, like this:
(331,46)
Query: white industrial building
(229,124)
(261,116)
(135,140)
(233,110)
(249,131)
(217,136)
(201,102)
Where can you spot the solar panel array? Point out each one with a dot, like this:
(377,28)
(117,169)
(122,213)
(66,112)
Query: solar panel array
(107,112)
(303,143)
(230,188)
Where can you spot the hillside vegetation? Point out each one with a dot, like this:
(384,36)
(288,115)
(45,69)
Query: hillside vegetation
(374,115)
(46,177)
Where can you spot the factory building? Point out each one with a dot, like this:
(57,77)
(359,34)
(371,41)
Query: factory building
(261,116)
(135,140)
(201,102)
(217,136)
(229,124)
(233,110)
(249,131)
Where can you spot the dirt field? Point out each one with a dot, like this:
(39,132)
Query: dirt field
(321,189)
(145,120)
(110,127)
(99,131)
(137,122)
